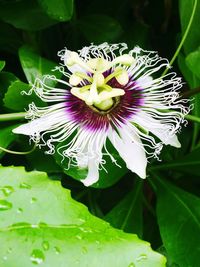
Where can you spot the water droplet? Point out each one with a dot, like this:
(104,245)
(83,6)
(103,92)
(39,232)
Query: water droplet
(9,250)
(45,245)
(79,237)
(5,258)
(37,256)
(57,250)
(33,200)
(19,210)
(5,205)
(7,190)
(141,257)
(25,186)
(42,224)
(84,250)
(131,264)
(20,225)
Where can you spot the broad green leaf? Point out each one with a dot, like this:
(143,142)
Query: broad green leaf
(193,38)
(6,79)
(61,10)
(6,137)
(34,66)
(17,99)
(178,215)
(2,65)
(192,60)
(186,72)
(108,175)
(189,68)
(41,224)
(190,163)
(42,162)
(26,15)
(99,28)
(127,214)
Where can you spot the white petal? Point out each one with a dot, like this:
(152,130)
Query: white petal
(131,150)
(144,82)
(161,130)
(46,122)
(93,173)
(30,128)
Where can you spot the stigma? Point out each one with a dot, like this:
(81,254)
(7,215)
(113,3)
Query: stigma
(92,86)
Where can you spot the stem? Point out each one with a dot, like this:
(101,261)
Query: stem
(18,152)
(183,38)
(192,118)
(13,116)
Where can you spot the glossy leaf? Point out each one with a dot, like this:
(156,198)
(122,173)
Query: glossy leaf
(52,229)
(99,28)
(61,11)
(34,66)
(6,138)
(127,214)
(26,15)
(193,38)
(17,99)
(190,163)
(192,61)
(2,65)
(175,235)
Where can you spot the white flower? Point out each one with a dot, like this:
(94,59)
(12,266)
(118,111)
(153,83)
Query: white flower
(107,93)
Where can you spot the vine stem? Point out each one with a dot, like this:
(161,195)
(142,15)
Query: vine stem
(183,38)
(18,152)
(13,116)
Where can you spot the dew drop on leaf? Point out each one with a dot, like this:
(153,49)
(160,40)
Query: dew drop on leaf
(5,205)
(33,200)
(7,190)
(79,237)
(9,250)
(25,186)
(84,250)
(141,257)
(5,258)
(45,245)
(37,256)
(19,210)
(57,250)
(131,264)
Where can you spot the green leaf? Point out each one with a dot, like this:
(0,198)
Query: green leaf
(2,64)
(108,175)
(99,28)
(179,222)
(187,164)
(186,72)
(41,224)
(193,39)
(61,10)
(6,79)
(6,137)
(127,214)
(16,99)
(192,60)
(26,15)
(34,66)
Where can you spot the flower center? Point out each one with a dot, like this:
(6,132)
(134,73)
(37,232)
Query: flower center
(91,86)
